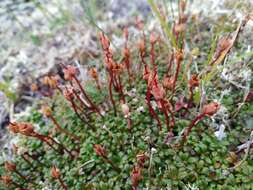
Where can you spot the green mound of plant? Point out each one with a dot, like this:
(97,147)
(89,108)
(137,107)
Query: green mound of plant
(148,125)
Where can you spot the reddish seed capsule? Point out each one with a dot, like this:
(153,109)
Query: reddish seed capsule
(46,111)
(179,28)
(55,173)
(6,180)
(13,127)
(158,92)
(69,72)
(194,81)
(26,129)
(34,87)
(93,73)
(168,82)
(211,108)
(68,93)
(153,38)
(141,158)
(99,150)
(136,176)
(141,46)
(104,41)
(10,166)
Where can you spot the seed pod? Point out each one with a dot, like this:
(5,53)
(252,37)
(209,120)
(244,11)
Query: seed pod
(46,110)
(69,72)
(68,93)
(13,127)
(141,46)
(179,28)
(136,176)
(141,158)
(168,82)
(104,41)
(34,87)
(6,180)
(211,108)
(26,129)
(158,92)
(153,38)
(55,173)
(9,166)
(99,150)
(194,81)
(93,73)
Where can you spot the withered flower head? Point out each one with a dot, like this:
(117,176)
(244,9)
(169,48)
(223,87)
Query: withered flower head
(136,176)
(34,87)
(179,55)
(126,52)
(211,108)
(158,92)
(9,166)
(46,80)
(46,111)
(168,82)
(194,81)
(93,73)
(26,129)
(68,93)
(117,68)
(52,81)
(179,28)
(69,72)
(55,173)
(141,46)
(109,63)
(104,40)
(224,43)
(141,158)
(99,150)
(6,180)
(153,38)
(13,127)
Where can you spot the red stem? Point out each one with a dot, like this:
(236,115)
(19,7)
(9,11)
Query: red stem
(152,54)
(151,110)
(165,113)
(66,132)
(26,160)
(176,75)
(87,97)
(121,90)
(62,184)
(192,124)
(111,97)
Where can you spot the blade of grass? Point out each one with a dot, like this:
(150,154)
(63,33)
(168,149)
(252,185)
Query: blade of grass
(89,9)
(165,26)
